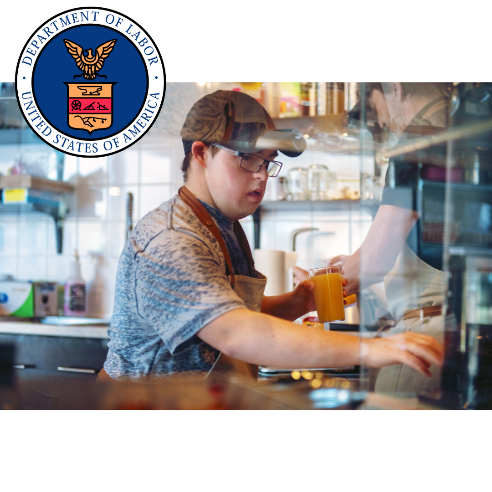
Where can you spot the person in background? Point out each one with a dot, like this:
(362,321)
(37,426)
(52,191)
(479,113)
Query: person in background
(414,288)
(188,298)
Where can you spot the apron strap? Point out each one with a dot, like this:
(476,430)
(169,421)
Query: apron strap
(417,125)
(204,217)
(243,243)
(441,104)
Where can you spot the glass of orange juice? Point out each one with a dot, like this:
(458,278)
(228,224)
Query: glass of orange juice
(328,293)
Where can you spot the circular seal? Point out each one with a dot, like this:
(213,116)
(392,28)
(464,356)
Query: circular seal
(90,82)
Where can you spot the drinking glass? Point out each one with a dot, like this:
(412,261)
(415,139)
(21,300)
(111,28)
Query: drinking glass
(328,293)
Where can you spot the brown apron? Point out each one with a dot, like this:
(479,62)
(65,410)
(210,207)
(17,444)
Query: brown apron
(249,289)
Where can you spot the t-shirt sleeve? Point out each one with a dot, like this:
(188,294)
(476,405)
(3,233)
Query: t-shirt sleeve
(181,286)
(401,182)
(405,171)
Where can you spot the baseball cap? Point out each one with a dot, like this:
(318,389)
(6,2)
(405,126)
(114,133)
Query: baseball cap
(239,122)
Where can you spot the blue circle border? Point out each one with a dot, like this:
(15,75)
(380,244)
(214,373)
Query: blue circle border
(70,136)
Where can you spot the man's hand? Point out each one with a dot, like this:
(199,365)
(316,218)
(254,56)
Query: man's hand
(303,293)
(412,349)
(304,289)
(338,260)
(300,275)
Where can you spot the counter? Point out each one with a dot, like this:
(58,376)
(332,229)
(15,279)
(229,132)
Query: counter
(54,330)
(92,330)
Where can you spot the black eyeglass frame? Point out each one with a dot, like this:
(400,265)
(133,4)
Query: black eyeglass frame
(275,172)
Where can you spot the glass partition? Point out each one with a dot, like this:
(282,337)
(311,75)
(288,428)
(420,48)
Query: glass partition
(430,245)
(396,183)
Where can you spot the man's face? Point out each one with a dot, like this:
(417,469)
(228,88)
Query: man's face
(236,192)
(377,101)
(391,111)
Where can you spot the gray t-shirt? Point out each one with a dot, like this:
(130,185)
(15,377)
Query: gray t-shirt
(170,283)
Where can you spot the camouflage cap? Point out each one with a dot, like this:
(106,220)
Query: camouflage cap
(238,122)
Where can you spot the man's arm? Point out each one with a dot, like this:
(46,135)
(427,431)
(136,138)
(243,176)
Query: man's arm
(379,251)
(381,247)
(265,340)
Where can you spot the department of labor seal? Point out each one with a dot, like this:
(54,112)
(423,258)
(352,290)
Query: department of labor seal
(90,82)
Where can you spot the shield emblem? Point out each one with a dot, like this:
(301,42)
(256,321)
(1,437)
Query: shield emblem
(90,105)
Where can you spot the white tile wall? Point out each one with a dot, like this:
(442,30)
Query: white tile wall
(8,265)
(117,203)
(8,235)
(347,229)
(151,196)
(32,268)
(31,235)
(124,167)
(154,167)
(151,171)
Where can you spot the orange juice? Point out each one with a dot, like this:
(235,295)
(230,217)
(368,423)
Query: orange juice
(351,299)
(328,296)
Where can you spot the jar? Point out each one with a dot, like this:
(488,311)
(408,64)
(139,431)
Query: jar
(318,179)
(332,184)
(297,183)
(275,189)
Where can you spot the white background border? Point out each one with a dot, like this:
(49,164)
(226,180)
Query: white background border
(354,451)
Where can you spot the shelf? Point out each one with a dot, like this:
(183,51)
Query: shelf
(469,250)
(28,181)
(370,206)
(458,186)
(308,205)
(19,136)
(333,119)
(25,208)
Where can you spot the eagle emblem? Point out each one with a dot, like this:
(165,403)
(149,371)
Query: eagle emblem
(90,64)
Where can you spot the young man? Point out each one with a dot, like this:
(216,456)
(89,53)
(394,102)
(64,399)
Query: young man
(186,287)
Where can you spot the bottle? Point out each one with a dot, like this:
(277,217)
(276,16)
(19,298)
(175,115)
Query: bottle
(75,293)
(305,98)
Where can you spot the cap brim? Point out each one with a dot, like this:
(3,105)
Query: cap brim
(290,142)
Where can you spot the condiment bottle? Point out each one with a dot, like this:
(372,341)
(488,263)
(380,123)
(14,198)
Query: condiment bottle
(75,293)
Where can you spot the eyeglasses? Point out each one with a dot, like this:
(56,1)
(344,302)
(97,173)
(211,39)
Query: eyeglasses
(253,162)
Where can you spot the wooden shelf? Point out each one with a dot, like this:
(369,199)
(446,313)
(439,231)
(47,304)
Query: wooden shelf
(28,181)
